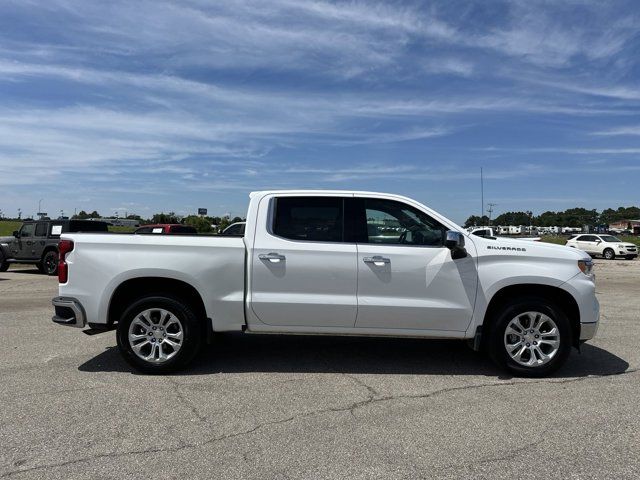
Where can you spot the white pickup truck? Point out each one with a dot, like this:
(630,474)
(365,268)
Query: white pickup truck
(334,263)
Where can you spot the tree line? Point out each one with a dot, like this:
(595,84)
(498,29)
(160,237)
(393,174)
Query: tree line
(202,224)
(572,217)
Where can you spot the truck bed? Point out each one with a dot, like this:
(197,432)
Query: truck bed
(213,265)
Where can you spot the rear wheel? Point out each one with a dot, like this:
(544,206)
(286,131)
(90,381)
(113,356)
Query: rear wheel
(159,334)
(4,265)
(531,337)
(49,264)
(609,254)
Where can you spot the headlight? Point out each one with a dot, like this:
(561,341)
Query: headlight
(585,266)
(621,246)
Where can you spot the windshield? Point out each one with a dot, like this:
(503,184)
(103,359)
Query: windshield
(610,238)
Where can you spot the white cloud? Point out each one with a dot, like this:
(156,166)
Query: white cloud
(633,130)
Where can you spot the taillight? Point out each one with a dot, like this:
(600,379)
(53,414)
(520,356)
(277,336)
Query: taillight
(64,247)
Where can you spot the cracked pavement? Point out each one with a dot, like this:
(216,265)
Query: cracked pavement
(258,407)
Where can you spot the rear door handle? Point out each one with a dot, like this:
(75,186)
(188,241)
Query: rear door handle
(273,257)
(377,260)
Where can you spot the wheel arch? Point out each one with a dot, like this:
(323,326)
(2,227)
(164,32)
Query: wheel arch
(48,249)
(557,295)
(138,287)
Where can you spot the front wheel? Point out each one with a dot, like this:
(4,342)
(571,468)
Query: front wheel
(531,337)
(609,254)
(159,334)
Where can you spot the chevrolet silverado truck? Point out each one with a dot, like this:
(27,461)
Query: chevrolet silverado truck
(36,242)
(332,263)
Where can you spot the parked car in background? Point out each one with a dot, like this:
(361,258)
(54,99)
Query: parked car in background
(607,246)
(310,264)
(490,232)
(36,242)
(167,229)
(235,229)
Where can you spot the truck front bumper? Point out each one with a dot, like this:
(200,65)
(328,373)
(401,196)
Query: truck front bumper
(68,311)
(588,329)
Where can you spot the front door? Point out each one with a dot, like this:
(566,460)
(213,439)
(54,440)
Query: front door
(406,276)
(303,273)
(25,243)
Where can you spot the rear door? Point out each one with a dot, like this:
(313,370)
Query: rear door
(406,276)
(40,238)
(588,243)
(303,273)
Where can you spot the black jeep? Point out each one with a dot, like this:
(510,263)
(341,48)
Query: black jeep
(37,242)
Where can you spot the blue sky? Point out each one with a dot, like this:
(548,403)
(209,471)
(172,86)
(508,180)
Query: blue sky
(149,106)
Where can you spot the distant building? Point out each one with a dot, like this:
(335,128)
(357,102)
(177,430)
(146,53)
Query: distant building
(621,225)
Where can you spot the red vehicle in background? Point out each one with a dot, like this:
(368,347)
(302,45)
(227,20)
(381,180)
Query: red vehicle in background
(167,229)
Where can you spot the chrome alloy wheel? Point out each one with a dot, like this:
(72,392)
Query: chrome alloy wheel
(532,339)
(155,335)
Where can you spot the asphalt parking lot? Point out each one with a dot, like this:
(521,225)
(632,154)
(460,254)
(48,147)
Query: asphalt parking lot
(257,407)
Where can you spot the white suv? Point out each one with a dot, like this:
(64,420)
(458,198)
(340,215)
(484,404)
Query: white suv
(608,246)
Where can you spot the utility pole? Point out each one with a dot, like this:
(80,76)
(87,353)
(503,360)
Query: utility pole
(490,210)
(482,193)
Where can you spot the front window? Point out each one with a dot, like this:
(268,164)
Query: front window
(395,223)
(27,230)
(610,238)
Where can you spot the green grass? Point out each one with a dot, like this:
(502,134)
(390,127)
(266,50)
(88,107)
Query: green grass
(7,227)
(560,240)
(120,229)
(630,239)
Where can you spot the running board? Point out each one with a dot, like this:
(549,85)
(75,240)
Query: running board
(96,331)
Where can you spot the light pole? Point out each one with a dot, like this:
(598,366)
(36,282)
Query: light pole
(40,208)
(490,210)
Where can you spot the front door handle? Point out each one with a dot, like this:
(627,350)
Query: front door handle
(377,260)
(273,257)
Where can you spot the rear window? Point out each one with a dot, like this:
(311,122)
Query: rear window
(41,229)
(315,219)
(183,229)
(80,226)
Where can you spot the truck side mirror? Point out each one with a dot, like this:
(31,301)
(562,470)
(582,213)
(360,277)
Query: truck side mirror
(455,242)
(16,233)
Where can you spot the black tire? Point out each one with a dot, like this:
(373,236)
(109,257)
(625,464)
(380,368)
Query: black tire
(4,265)
(49,263)
(192,328)
(518,306)
(609,254)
